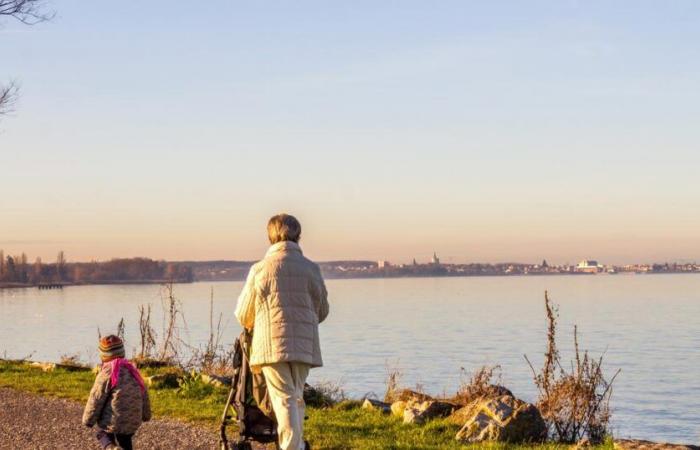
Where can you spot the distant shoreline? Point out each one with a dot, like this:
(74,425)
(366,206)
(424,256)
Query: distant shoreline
(5,285)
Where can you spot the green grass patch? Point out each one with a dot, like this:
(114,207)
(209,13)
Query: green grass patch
(344,426)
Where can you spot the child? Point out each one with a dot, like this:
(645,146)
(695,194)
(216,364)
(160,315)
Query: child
(118,400)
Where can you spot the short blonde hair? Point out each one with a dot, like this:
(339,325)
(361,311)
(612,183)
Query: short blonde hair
(283,227)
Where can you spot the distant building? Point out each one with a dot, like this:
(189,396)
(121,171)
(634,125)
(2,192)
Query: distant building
(381,264)
(588,266)
(435,261)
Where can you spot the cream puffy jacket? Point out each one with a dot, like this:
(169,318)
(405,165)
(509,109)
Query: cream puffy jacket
(283,301)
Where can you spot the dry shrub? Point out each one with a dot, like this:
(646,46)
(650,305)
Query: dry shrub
(172,310)
(324,394)
(213,358)
(393,381)
(148,335)
(480,385)
(575,404)
(71,360)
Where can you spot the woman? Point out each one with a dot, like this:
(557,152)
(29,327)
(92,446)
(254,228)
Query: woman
(283,301)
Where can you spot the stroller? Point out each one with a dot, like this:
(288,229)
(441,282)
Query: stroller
(248,403)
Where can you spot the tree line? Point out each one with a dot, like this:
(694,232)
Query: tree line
(16,269)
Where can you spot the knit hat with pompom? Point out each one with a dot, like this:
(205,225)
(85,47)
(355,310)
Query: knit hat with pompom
(111,347)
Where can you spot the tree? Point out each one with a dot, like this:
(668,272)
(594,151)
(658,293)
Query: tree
(10,271)
(37,273)
(22,272)
(60,266)
(29,12)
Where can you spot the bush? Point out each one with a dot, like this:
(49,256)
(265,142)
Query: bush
(575,404)
(192,386)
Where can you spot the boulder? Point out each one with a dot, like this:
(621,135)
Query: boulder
(162,380)
(505,419)
(406,395)
(376,405)
(216,380)
(471,394)
(420,412)
(45,366)
(397,408)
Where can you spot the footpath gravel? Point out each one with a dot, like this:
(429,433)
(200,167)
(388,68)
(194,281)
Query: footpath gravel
(29,421)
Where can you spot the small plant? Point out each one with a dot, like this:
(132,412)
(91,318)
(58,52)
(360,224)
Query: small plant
(393,381)
(71,360)
(213,358)
(479,385)
(148,335)
(192,386)
(170,348)
(324,394)
(575,404)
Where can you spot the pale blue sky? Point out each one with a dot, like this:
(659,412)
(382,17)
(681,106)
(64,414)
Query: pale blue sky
(486,131)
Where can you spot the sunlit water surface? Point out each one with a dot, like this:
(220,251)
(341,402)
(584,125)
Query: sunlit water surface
(430,328)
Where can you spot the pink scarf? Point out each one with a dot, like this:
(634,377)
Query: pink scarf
(117,364)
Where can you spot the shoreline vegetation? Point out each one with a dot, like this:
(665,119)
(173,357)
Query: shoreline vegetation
(191,384)
(17,272)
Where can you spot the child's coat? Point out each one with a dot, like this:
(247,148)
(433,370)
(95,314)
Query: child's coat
(120,409)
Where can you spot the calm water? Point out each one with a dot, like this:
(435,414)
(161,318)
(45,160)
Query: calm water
(430,328)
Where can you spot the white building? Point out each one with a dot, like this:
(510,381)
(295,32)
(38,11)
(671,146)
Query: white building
(588,266)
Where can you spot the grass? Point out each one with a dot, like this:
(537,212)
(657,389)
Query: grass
(344,426)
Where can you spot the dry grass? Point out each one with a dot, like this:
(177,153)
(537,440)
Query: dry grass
(575,403)
(483,383)
(324,394)
(393,381)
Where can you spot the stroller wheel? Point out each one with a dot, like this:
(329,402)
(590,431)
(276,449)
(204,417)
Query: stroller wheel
(242,446)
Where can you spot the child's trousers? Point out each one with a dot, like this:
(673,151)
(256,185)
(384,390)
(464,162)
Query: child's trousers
(285,383)
(122,440)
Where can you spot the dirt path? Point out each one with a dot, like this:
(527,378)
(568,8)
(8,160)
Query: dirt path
(29,421)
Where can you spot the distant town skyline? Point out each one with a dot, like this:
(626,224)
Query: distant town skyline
(483,131)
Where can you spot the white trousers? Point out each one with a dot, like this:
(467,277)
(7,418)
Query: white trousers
(285,383)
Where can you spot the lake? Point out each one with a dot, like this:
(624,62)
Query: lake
(430,328)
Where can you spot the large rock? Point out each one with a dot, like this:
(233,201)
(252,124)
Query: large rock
(397,408)
(474,393)
(163,380)
(406,395)
(216,380)
(376,405)
(505,419)
(420,412)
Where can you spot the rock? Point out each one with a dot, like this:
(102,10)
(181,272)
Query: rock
(162,380)
(216,380)
(397,408)
(420,412)
(636,444)
(73,367)
(376,405)
(406,395)
(505,419)
(45,366)
(317,397)
(472,394)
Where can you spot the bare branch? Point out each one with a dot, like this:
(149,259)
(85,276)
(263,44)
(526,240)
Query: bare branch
(29,12)
(8,97)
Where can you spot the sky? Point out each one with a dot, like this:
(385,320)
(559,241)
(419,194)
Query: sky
(483,131)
